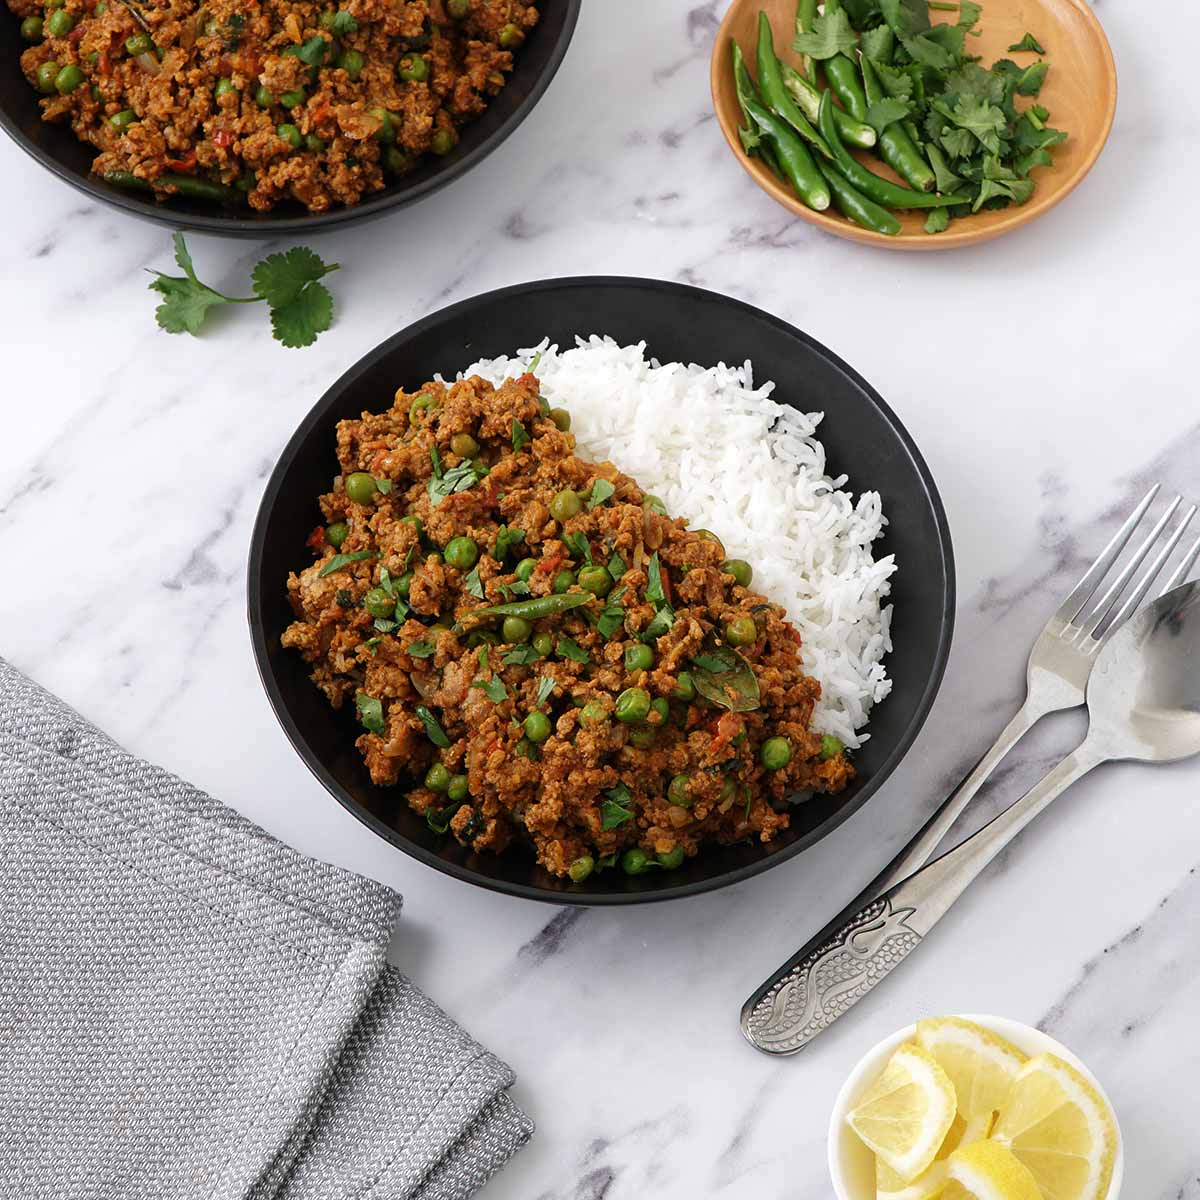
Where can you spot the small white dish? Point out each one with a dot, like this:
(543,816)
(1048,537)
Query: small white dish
(852,1165)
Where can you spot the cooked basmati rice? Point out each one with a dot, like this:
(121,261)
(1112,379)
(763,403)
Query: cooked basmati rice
(719,451)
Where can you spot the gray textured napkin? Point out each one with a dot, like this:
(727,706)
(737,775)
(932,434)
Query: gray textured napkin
(189,1008)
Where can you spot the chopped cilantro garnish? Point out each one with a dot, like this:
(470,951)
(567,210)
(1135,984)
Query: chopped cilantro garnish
(474,586)
(493,688)
(338,561)
(655,594)
(519,436)
(545,686)
(421,649)
(614,810)
(571,649)
(370,712)
(435,733)
(1028,42)
(520,656)
(601,490)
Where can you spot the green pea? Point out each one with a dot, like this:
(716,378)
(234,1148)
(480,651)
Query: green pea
(542,643)
(632,705)
(741,631)
(563,582)
(831,747)
(458,788)
(537,727)
(387,131)
(33,29)
(378,603)
(395,160)
(47,73)
(360,487)
(225,87)
(775,753)
(707,535)
(53,4)
(685,689)
(67,80)
(592,713)
(413,69)
(314,143)
(464,445)
(352,62)
(525,749)
(635,861)
(403,585)
(437,778)
(293,99)
(511,37)
(462,553)
(525,569)
(740,569)
(659,705)
(672,860)
(643,737)
(264,97)
(101,8)
(443,142)
(515,629)
(581,868)
(679,790)
(290,134)
(139,43)
(60,23)
(561,418)
(565,505)
(596,580)
(457,9)
(639,658)
(415,522)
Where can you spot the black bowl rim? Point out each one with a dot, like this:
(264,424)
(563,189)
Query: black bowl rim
(266,227)
(680,293)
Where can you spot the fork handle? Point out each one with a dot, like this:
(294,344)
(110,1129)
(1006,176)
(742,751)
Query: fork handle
(851,956)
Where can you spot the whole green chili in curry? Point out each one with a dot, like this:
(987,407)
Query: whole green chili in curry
(516,696)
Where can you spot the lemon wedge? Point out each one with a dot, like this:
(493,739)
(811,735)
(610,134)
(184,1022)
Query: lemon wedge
(981,1066)
(986,1171)
(929,1184)
(1059,1126)
(907,1112)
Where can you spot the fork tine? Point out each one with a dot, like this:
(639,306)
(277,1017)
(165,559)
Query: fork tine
(1147,581)
(1184,569)
(1109,600)
(1083,591)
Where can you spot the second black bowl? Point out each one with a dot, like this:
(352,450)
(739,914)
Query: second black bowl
(60,151)
(861,435)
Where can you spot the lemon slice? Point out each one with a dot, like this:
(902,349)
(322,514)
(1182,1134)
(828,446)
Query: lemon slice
(928,1185)
(986,1171)
(906,1113)
(1059,1126)
(981,1065)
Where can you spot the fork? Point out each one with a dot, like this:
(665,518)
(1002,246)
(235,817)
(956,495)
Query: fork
(834,968)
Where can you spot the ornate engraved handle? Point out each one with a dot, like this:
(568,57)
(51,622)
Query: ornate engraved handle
(832,973)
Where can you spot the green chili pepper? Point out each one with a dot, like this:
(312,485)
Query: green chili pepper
(896,148)
(871,185)
(842,75)
(806,14)
(770,83)
(793,155)
(808,97)
(538,607)
(853,204)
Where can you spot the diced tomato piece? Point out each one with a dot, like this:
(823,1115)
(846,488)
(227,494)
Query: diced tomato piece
(316,539)
(223,138)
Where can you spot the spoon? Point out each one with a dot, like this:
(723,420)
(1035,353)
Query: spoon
(1143,702)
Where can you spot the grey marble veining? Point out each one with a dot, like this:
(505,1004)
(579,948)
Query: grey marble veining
(1047,377)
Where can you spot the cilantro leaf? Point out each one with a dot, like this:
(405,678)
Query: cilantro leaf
(506,539)
(977,117)
(519,436)
(433,730)
(474,586)
(654,587)
(659,624)
(830,35)
(1030,43)
(342,24)
(946,179)
(616,566)
(370,712)
(186,300)
(312,52)
(613,616)
(906,17)
(421,649)
(493,688)
(601,490)
(568,648)
(969,14)
(280,278)
(579,546)
(545,686)
(879,43)
(614,808)
(884,112)
(1032,78)
(338,561)
(520,656)
(937,221)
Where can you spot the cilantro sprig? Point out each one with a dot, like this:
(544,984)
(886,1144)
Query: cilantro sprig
(289,283)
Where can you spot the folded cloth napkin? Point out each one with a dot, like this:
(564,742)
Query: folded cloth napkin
(189,1008)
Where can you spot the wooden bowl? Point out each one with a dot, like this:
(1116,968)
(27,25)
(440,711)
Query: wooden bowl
(1080,92)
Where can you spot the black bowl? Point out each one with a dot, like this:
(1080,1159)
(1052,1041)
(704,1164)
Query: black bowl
(861,435)
(57,148)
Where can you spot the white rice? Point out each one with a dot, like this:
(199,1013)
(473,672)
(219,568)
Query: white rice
(718,451)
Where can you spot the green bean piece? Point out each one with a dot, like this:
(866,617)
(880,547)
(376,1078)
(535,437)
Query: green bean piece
(561,418)
(563,582)
(68,79)
(635,861)
(741,631)
(537,727)
(443,142)
(290,134)
(639,658)
(361,487)
(596,580)
(59,23)
(581,868)
(592,714)
(542,644)
(264,97)
(858,208)
(139,43)
(437,778)
(337,533)
(685,689)
(679,790)
(413,68)
(740,569)
(537,608)
(199,189)
(33,29)
(672,860)
(515,630)
(464,445)
(775,753)
(525,569)
(831,747)
(462,553)
(808,97)
(127,179)
(352,62)
(793,156)
(896,148)
(882,191)
(565,505)
(776,96)
(47,73)
(632,705)
(293,99)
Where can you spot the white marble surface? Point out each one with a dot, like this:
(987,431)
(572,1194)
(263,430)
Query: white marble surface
(1046,376)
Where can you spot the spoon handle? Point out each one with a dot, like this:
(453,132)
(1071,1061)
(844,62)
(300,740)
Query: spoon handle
(854,953)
